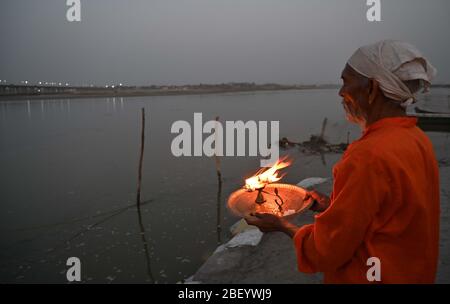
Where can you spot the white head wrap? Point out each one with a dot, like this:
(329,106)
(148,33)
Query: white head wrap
(391,62)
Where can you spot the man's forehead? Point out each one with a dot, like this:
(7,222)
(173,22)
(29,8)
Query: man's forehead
(348,71)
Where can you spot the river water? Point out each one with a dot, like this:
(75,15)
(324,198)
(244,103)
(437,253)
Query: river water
(68,175)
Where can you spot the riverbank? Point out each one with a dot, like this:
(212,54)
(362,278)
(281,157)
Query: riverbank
(10,93)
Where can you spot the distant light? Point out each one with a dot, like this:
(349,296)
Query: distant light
(26,81)
(59,83)
(112,86)
(40,82)
(106,86)
(120,84)
(67,84)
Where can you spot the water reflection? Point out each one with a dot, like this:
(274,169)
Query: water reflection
(219,211)
(145,245)
(28,109)
(68,106)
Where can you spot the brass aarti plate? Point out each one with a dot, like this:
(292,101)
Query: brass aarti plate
(279,199)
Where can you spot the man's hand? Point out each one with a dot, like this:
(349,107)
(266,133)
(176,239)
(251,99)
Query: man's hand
(321,201)
(267,222)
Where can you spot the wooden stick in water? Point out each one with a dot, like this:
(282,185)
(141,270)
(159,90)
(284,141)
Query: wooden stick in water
(217,159)
(141,158)
(219,189)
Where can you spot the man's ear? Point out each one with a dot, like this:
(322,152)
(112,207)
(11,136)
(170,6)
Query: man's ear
(373,90)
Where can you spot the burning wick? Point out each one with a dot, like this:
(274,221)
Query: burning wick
(264,177)
(260,197)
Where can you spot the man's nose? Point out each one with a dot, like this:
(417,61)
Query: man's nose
(341,92)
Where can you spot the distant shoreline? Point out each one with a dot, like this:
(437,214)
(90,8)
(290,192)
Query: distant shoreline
(130,94)
(41,92)
(35,92)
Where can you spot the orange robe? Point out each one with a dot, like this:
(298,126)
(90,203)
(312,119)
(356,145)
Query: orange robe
(385,204)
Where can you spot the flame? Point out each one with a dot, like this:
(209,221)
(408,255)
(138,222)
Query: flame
(266,176)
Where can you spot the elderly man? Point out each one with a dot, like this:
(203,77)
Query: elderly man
(385,199)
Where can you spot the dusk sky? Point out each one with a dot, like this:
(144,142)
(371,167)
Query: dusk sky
(208,41)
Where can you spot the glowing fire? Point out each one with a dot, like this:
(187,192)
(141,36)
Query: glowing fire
(266,176)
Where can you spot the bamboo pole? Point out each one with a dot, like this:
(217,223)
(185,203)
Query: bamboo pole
(219,189)
(141,158)
(216,158)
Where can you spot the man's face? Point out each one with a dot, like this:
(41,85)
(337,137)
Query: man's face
(354,95)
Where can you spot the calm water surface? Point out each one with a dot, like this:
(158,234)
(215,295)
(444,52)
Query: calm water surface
(68,173)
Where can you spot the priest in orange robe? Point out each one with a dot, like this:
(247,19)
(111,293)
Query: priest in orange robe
(385,201)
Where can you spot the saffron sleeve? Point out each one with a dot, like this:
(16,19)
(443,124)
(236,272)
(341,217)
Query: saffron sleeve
(360,186)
